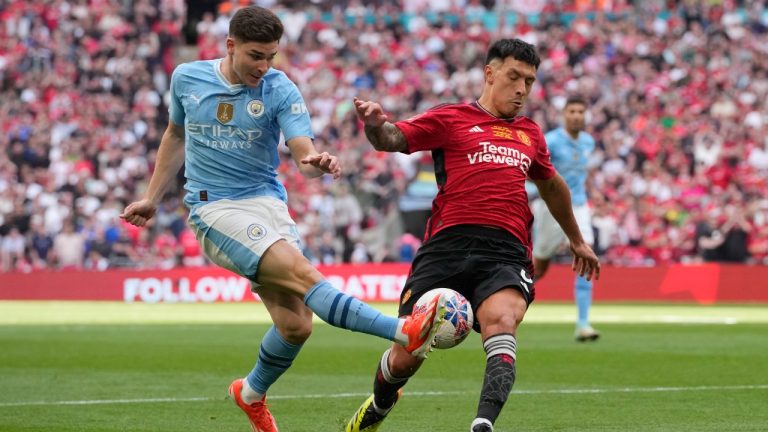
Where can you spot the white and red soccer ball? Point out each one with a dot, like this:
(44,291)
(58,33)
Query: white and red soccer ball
(458,318)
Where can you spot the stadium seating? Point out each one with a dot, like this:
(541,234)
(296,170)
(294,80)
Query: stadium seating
(678,97)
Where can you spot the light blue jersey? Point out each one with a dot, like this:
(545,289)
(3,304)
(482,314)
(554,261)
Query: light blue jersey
(232,131)
(570,158)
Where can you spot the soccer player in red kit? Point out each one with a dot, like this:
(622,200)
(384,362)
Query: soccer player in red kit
(478,239)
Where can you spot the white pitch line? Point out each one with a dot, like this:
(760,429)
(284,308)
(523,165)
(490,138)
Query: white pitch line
(644,389)
(410,394)
(104,401)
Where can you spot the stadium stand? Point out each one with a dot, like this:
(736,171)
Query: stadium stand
(678,94)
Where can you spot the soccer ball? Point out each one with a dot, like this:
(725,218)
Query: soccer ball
(458,317)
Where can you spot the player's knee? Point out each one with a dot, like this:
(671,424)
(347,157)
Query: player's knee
(296,331)
(501,323)
(402,364)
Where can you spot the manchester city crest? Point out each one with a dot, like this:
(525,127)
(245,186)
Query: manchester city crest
(255,108)
(256,232)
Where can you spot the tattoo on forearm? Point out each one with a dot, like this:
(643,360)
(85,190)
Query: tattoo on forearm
(387,138)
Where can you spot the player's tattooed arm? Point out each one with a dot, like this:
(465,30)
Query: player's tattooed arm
(380,132)
(387,137)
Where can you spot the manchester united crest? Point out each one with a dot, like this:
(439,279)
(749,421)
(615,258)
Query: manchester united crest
(524,137)
(225,112)
(406,297)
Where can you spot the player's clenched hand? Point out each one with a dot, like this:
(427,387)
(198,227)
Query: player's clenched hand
(371,113)
(325,162)
(139,212)
(585,262)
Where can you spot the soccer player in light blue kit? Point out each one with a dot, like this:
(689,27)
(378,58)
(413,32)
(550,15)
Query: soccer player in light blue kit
(226,117)
(570,147)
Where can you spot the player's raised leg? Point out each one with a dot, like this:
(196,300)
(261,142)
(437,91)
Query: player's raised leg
(266,257)
(283,267)
(499,316)
(261,253)
(395,367)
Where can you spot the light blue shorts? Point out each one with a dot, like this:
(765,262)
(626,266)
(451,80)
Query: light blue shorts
(235,234)
(548,237)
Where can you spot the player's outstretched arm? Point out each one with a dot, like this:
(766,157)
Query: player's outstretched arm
(170,158)
(310,162)
(383,135)
(555,193)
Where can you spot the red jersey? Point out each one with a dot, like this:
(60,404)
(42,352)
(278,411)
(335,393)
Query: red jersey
(481,164)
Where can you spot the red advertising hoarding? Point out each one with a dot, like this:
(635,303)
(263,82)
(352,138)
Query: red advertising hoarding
(703,284)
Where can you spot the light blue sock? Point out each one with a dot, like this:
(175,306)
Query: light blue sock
(583,295)
(342,310)
(275,357)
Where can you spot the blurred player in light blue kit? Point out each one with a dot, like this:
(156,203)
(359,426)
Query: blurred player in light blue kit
(226,118)
(570,147)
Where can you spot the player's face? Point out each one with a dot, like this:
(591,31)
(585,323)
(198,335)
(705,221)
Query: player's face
(574,117)
(510,83)
(251,60)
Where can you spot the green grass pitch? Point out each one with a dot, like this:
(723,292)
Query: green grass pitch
(134,367)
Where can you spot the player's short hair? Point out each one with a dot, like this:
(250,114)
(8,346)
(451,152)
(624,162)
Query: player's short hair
(255,24)
(515,48)
(575,100)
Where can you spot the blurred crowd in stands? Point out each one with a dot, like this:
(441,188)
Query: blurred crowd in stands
(678,94)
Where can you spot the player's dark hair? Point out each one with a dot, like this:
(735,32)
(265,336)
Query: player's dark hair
(255,24)
(576,100)
(515,48)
